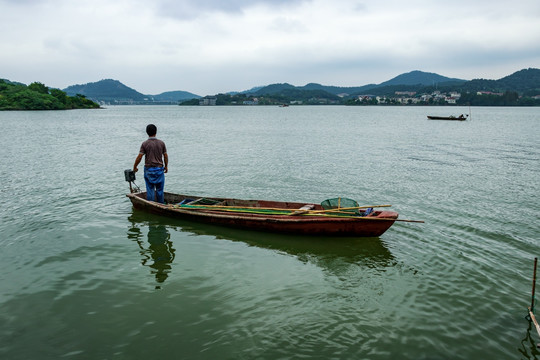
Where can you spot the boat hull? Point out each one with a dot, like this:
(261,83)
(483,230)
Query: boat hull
(447,118)
(372,225)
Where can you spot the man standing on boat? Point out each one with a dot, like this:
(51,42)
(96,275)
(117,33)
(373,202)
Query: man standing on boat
(155,164)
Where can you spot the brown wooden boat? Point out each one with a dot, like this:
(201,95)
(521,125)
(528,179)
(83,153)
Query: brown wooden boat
(269,216)
(451,117)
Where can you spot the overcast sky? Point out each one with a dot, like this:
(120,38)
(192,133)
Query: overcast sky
(213,46)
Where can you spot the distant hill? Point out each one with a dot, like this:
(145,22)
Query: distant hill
(253,90)
(11,82)
(338,90)
(106,90)
(113,91)
(174,96)
(417,77)
(274,89)
(286,91)
(526,82)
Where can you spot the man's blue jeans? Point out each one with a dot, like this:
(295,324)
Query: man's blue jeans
(155,182)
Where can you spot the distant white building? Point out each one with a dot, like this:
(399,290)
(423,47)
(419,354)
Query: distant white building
(208,101)
(405,93)
(255,101)
(488,93)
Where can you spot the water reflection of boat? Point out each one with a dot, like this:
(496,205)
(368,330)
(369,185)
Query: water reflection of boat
(158,252)
(322,251)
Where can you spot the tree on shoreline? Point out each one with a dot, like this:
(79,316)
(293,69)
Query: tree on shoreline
(37,96)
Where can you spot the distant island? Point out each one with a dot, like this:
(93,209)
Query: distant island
(37,96)
(521,88)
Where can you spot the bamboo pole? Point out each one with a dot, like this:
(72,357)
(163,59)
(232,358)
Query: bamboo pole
(534,284)
(255,209)
(313,212)
(533,318)
(346,208)
(225,207)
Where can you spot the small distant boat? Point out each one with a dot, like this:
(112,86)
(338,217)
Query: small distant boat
(272,216)
(451,117)
(283,105)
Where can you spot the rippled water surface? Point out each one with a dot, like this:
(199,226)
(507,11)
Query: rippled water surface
(84,276)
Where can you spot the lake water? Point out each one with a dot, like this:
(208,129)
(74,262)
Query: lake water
(84,276)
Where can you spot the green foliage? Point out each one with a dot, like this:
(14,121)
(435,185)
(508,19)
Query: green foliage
(38,87)
(508,98)
(37,96)
(285,96)
(190,102)
(364,101)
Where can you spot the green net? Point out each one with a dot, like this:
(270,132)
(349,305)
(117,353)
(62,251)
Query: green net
(340,202)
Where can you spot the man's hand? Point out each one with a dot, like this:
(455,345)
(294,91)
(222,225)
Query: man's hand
(166,161)
(137,161)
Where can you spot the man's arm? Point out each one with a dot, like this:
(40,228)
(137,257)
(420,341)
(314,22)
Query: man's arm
(137,161)
(166,161)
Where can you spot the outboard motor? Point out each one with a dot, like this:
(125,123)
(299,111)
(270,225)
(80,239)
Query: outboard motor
(130,178)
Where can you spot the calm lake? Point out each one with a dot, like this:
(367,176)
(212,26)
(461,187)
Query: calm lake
(84,276)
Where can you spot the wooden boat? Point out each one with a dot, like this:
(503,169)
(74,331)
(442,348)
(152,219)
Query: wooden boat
(269,216)
(459,118)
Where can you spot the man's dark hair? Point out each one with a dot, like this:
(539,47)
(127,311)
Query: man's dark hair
(151,130)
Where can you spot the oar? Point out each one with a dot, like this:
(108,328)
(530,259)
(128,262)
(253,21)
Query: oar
(387,219)
(225,207)
(337,209)
(369,218)
(219,207)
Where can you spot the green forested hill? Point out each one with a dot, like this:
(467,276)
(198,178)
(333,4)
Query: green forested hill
(106,90)
(174,96)
(114,92)
(37,96)
(525,82)
(418,77)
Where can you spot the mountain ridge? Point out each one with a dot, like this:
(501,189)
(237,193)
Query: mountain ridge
(525,81)
(415,77)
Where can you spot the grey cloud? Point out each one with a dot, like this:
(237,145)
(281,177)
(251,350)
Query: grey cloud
(21,2)
(189,9)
